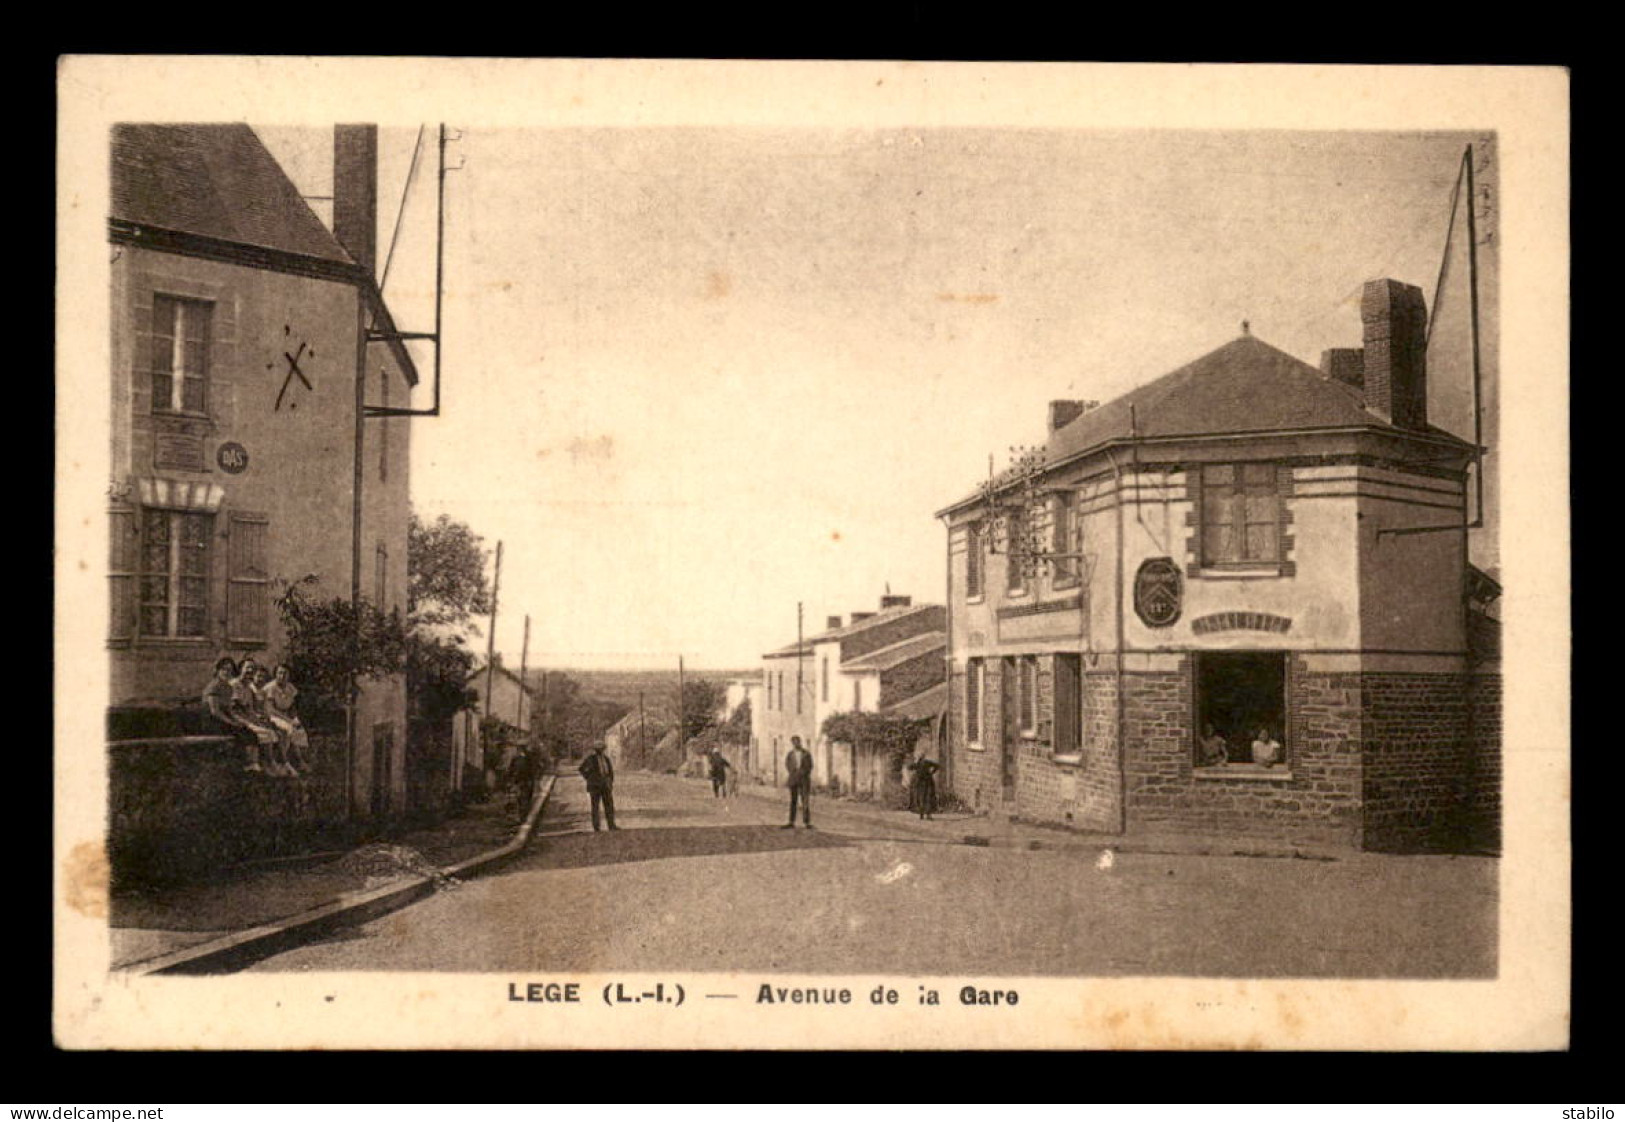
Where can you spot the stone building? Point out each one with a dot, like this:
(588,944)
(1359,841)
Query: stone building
(245,353)
(1247,550)
(874,661)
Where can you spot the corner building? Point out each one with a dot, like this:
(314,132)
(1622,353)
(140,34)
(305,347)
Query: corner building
(1247,543)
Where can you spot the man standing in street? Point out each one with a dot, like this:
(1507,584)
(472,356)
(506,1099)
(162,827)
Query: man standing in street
(600,776)
(798,773)
(719,772)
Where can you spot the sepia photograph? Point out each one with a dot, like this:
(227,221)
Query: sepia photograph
(677,569)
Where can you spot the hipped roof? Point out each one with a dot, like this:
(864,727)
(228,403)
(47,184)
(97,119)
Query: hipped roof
(1245,386)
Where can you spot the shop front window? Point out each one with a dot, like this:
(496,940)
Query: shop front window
(1241,710)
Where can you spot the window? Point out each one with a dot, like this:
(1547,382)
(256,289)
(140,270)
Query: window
(1064,538)
(1068,686)
(1241,514)
(781,691)
(180,355)
(1240,701)
(857,694)
(973,701)
(824,682)
(1028,671)
(1015,559)
(767,677)
(174,594)
(973,561)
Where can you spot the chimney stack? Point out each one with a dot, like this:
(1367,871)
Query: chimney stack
(833,623)
(355,192)
(858,617)
(895,602)
(1346,364)
(1062,413)
(1396,330)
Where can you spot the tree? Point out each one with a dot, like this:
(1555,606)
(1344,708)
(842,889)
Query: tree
(445,584)
(702,701)
(334,643)
(445,589)
(736,730)
(889,733)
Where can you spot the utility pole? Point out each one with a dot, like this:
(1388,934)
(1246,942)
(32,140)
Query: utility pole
(491,638)
(643,749)
(524,687)
(681,732)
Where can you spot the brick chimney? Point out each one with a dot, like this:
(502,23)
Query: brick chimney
(1346,364)
(1396,330)
(355,192)
(895,602)
(1063,412)
(832,623)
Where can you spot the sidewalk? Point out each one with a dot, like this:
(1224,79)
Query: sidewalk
(202,926)
(968,828)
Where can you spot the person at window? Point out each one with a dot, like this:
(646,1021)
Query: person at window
(1266,749)
(278,695)
(1213,751)
(720,767)
(925,788)
(219,698)
(249,711)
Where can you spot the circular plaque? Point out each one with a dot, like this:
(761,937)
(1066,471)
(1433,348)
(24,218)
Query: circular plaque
(1159,592)
(232,457)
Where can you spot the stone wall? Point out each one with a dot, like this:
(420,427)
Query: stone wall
(1419,761)
(183,808)
(1315,798)
(1484,734)
(1374,760)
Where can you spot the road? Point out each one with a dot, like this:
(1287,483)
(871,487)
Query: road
(691,883)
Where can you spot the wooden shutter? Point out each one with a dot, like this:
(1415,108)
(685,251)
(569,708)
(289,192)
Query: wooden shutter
(247,578)
(123,561)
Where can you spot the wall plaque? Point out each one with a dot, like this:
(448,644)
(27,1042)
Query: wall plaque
(178,450)
(1159,592)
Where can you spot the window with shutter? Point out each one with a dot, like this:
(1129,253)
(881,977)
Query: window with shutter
(123,570)
(973,560)
(247,578)
(973,701)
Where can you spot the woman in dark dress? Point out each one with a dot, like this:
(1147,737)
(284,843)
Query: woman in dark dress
(925,787)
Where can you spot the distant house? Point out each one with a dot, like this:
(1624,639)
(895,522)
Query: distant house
(512,703)
(873,661)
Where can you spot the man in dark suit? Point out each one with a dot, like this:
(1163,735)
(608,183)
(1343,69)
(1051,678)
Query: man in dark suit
(600,776)
(798,764)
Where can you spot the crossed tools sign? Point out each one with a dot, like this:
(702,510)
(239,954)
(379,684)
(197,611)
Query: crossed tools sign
(293,370)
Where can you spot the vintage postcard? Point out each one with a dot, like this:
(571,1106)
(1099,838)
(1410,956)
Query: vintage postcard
(662,554)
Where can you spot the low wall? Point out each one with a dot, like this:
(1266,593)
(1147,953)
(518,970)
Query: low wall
(180,808)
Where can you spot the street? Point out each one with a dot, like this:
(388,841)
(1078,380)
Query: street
(693,883)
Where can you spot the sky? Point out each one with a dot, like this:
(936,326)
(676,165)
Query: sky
(693,377)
